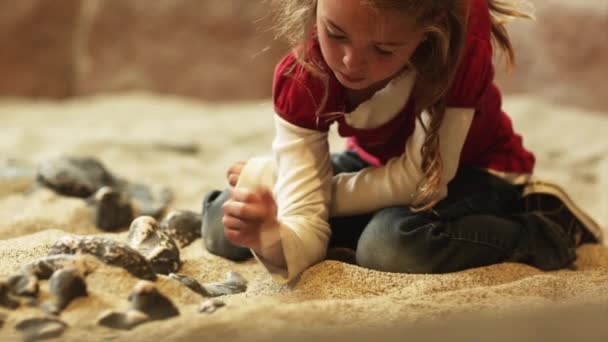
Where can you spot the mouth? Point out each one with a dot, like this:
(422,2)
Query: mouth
(350,79)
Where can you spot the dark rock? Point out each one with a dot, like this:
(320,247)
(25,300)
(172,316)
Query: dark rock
(45,267)
(122,320)
(112,209)
(64,286)
(109,251)
(74,176)
(24,284)
(6,298)
(146,298)
(183,226)
(212,228)
(146,200)
(234,283)
(157,247)
(190,282)
(211,305)
(41,328)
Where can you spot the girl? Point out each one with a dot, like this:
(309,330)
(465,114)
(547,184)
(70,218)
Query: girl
(433,180)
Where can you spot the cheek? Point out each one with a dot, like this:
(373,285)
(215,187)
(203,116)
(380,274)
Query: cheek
(331,51)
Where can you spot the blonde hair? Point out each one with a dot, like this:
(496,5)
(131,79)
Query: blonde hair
(435,60)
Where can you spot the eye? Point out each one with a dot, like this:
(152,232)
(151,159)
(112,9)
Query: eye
(384,52)
(334,36)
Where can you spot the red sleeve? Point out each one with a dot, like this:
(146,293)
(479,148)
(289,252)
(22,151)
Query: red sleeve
(297,94)
(475,73)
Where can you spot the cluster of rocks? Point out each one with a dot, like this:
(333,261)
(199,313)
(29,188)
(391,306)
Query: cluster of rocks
(152,249)
(115,201)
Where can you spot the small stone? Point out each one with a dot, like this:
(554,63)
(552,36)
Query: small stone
(64,286)
(6,298)
(234,283)
(146,200)
(190,282)
(156,246)
(108,251)
(24,284)
(211,305)
(74,176)
(39,328)
(122,320)
(112,209)
(45,267)
(146,298)
(183,226)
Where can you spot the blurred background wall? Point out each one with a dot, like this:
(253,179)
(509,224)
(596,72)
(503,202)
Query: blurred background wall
(223,49)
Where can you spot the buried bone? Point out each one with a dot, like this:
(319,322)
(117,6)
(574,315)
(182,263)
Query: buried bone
(156,246)
(109,251)
(64,286)
(183,226)
(234,283)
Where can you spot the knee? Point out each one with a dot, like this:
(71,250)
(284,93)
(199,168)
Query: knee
(390,244)
(212,228)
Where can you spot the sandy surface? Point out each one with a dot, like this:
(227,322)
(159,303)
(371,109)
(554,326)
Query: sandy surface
(130,134)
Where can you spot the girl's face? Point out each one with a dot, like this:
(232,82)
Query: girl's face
(363,46)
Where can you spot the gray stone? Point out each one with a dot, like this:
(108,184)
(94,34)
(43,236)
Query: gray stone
(183,226)
(109,251)
(39,328)
(146,200)
(6,298)
(74,176)
(112,209)
(64,286)
(146,298)
(24,284)
(234,283)
(122,320)
(157,247)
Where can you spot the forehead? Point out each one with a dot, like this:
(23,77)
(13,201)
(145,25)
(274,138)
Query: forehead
(356,17)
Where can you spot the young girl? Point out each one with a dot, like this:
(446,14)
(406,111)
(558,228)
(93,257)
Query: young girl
(433,180)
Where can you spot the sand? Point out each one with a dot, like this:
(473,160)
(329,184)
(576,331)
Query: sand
(135,135)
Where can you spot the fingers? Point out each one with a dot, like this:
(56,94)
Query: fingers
(234,172)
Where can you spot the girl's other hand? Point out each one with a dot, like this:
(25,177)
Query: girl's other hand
(245,213)
(234,172)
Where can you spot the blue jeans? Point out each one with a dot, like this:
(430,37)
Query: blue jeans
(481,222)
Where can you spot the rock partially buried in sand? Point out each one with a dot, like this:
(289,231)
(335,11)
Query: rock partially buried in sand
(157,247)
(24,284)
(6,298)
(74,176)
(64,286)
(41,328)
(147,304)
(146,298)
(45,267)
(183,226)
(234,283)
(112,209)
(109,251)
(146,200)
(122,320)
(211,305)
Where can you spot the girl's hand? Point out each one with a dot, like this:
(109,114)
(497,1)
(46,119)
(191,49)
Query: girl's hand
(245,213)
(234,172)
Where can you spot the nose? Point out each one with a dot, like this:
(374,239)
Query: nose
(353,59)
